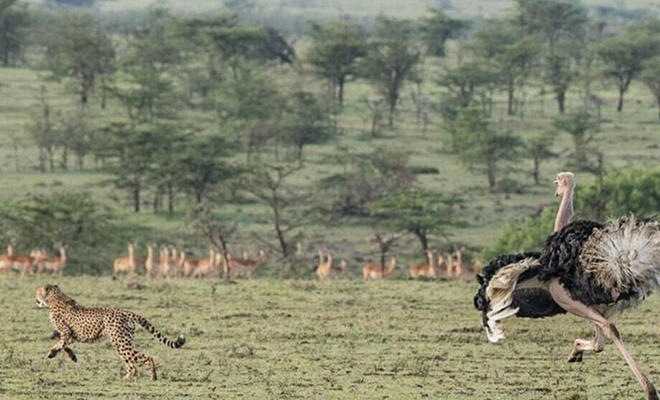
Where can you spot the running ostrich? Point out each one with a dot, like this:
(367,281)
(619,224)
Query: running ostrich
(591,270)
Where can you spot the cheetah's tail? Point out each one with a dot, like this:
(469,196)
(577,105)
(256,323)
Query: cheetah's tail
(175,344)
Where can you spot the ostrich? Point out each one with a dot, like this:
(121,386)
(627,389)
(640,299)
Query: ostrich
(591,270)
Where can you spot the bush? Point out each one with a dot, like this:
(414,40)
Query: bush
(530,235)
(94,235)
(634,191)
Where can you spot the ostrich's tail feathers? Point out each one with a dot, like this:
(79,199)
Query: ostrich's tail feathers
(500,294)
(624,254)
(498,282)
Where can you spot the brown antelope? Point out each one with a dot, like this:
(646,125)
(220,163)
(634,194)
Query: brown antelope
(24,264)
(166,269)
(7,260)
(372,272)
(180,263)
(150,267)
(477,265)
(189,266)
(458,263)
(54,264)
(325,270)
(206,267)
(427,270)
(441,266)
(244,268)
(450,265)
(128,264)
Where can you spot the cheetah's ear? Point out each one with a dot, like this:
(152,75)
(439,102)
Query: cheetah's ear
(50,287)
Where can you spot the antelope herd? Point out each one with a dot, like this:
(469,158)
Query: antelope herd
(173,263)
(449,265)
(38,258)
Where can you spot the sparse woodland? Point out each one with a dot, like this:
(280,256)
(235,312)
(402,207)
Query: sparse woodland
(225,129)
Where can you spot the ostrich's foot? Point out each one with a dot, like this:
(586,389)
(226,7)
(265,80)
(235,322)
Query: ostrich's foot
(575,356)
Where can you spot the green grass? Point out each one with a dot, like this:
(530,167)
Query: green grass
(303,339)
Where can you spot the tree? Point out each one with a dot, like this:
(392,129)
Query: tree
(504,46)
(418,212)
(14,19)
(75,134)
(249,102)
(336,48)
(538,150)
(218,230)
(470,84)
(437,29)
(366,178)
(147,91)
(307,122)
(651,77)
(583,129)
(135,149)
(625,54)
(201,164)
(79,50)
(385,243)
(482,146)
(560,27)
(41,131)
(268,183)
(391,59)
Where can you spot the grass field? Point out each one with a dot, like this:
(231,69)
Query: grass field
(309,340)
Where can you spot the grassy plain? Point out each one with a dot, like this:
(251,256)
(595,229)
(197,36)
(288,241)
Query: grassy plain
(343,339)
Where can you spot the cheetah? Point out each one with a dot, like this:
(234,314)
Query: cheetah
(77,323)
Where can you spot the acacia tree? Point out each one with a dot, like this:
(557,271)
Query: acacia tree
(307,122)
(503,46)
(538,149)
(391,59)
(625,54)
(147,91)
(336,48)
(437,28)
(417,212)
(482,146)
(41,131)
(560,28)
(269,183)
(218,230)
(200,162)
(78,50)
(14,19)
(583,129)
(651,77)
(249,103)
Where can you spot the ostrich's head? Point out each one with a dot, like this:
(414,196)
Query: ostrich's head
(565,182)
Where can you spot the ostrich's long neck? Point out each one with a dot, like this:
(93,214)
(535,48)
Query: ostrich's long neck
(565,210)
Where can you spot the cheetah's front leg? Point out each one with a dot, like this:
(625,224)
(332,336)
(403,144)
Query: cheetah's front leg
(65,339)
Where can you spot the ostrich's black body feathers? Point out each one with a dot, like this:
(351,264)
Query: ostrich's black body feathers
(560,258)
(533,302)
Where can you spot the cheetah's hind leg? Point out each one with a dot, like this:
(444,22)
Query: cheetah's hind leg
(71,354)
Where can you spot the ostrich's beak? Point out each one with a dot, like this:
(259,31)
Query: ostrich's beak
(556,182)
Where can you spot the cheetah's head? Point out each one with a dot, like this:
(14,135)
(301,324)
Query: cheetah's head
(44,293)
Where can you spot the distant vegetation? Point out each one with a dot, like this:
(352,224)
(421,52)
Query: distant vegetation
(191,119)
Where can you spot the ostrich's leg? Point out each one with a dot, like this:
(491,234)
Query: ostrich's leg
(597,344)
(564,299)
